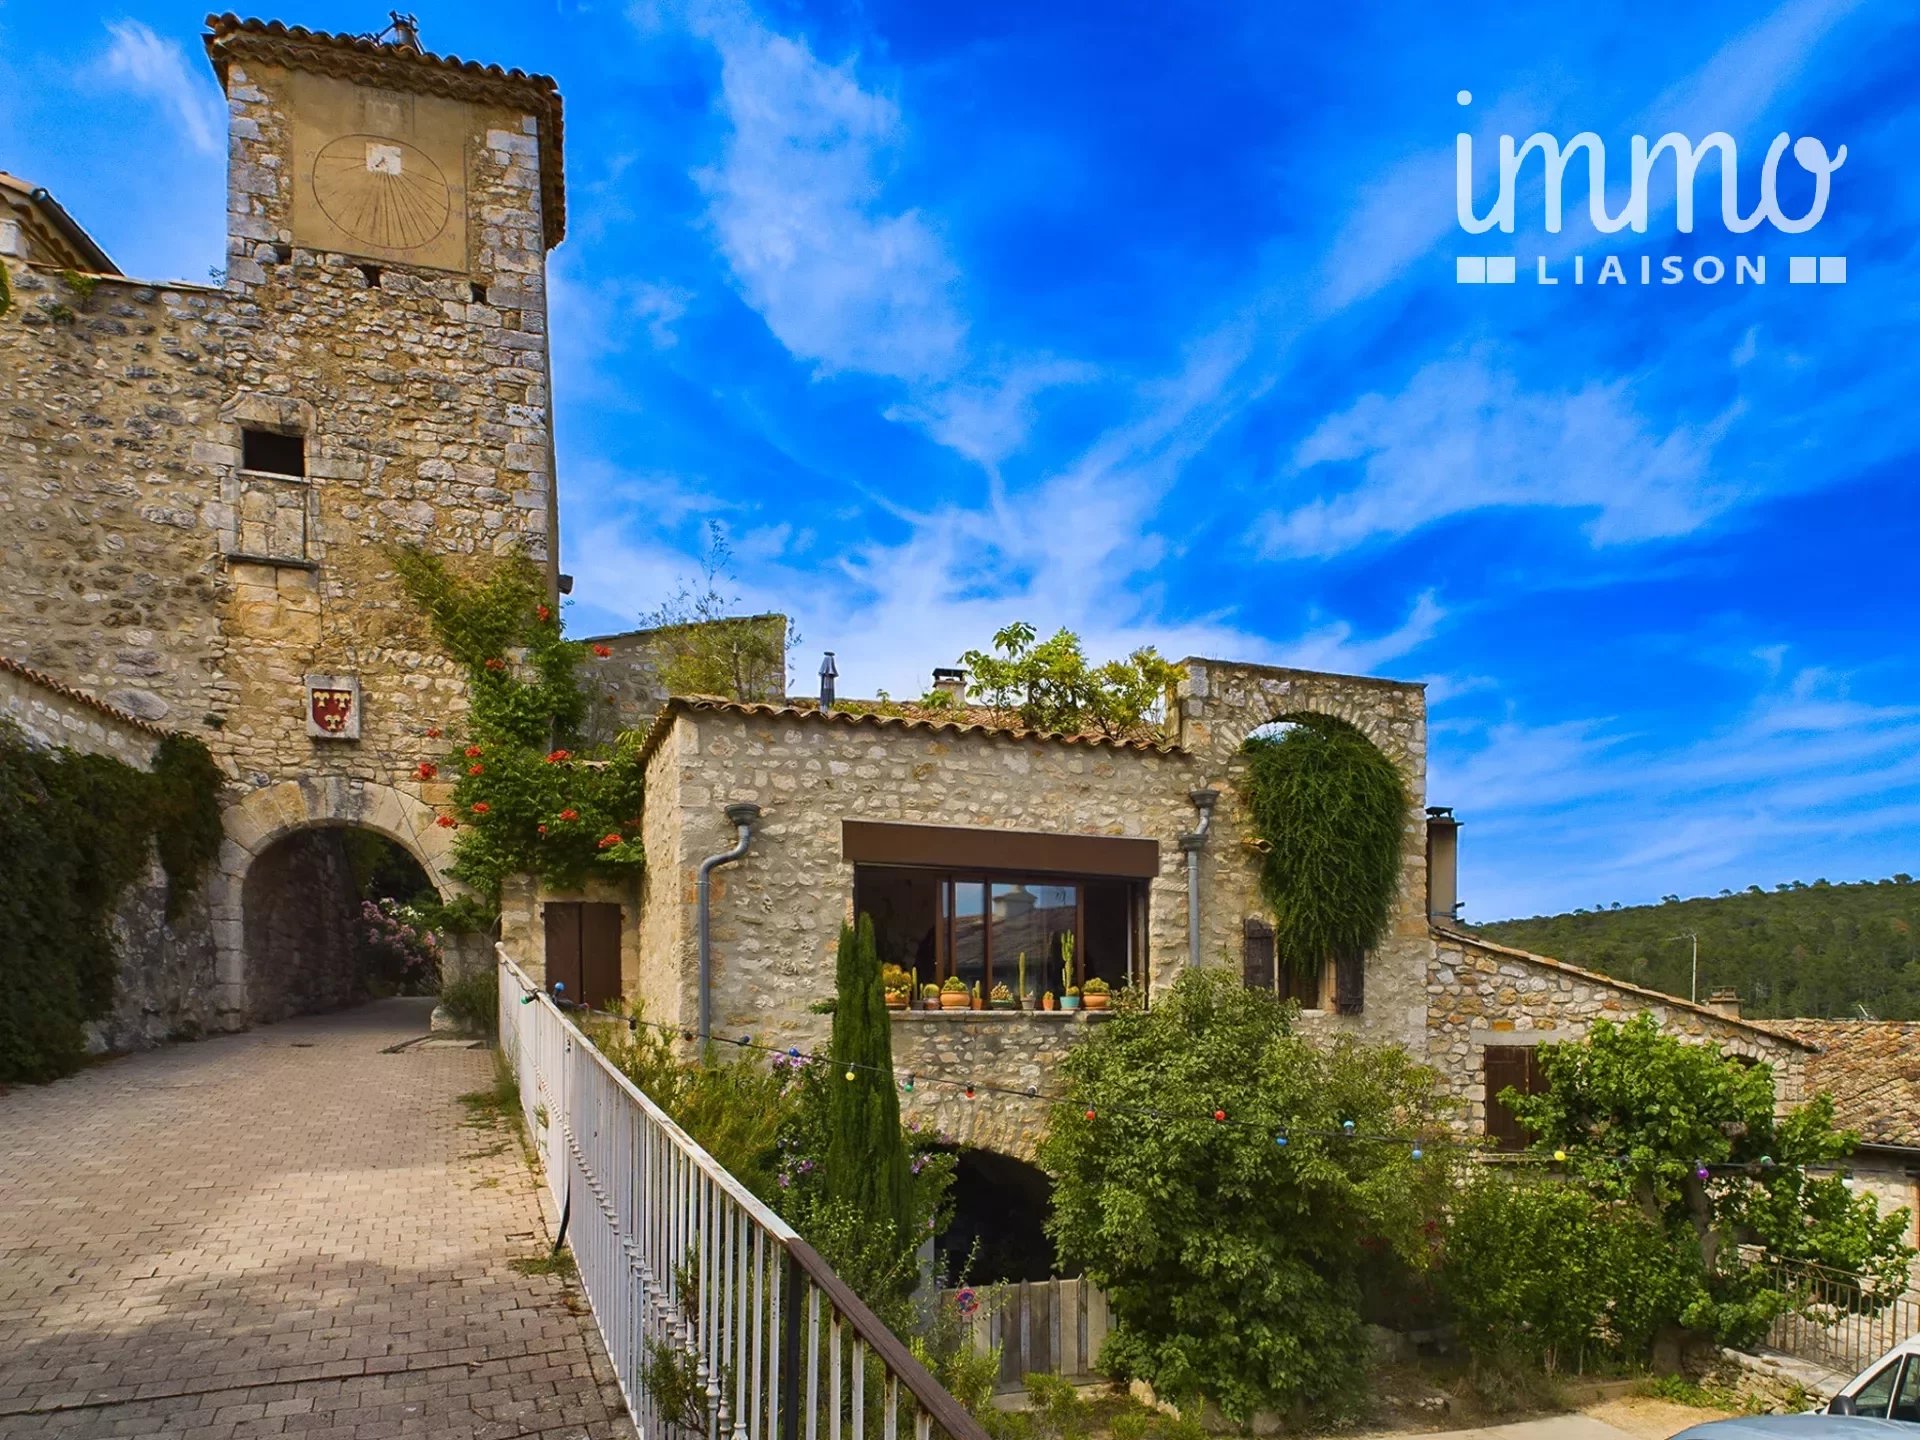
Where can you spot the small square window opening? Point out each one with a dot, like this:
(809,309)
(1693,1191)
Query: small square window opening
(271,453)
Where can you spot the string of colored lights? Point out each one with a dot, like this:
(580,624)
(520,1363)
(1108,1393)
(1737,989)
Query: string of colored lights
(1283,1136)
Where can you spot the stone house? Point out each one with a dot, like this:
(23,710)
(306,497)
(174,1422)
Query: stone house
(976,847)
(1871,1068)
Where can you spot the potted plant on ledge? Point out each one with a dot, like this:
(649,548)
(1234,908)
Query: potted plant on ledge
(930,996)
(897,986)
(1071,1000)
(953,994)
(1002,997)
(1095,993)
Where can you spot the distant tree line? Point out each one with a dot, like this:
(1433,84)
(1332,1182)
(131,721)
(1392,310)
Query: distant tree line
(1815,950)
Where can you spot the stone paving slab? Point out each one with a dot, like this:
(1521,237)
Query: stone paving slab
(284,1232)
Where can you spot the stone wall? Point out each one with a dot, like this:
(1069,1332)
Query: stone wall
(1482,994)
(1020,1049)
(302,908)
(629,688)
(166,987)
(1218,705)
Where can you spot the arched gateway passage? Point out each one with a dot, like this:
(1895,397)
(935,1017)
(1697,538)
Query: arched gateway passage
(301,858)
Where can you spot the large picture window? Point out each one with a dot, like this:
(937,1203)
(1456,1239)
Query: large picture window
(941,923)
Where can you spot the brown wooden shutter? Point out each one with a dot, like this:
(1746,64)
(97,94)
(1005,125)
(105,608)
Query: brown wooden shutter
(563,949)
(1508,1067)
(600,954)
(1350,983)
(1256,954)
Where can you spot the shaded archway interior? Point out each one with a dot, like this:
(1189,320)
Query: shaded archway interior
(1000,1209)
(301,912)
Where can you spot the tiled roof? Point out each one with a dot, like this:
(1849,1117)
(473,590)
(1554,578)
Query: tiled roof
(403,67)
(1773,1030)
(1872,1070)
(969,721)
(80,697)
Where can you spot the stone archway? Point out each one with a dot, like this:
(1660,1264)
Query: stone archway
(264,829)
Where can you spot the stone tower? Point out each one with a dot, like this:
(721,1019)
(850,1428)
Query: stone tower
(201,488)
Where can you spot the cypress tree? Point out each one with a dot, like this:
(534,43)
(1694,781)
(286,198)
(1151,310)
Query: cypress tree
(867,1164)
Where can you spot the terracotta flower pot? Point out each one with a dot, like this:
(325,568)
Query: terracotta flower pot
(895,1001)
(955,1000)
(1095,1002)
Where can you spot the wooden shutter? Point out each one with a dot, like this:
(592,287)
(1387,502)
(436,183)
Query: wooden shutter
(1509,1067)
(600,954)
(1350,983)
(563,949)
(1256,954)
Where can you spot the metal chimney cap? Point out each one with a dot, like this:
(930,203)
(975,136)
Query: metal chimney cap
(1441,812)
(742,812)
(948,672)
(828,670)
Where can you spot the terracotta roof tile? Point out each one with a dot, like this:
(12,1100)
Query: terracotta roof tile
(971,721)
(47,682)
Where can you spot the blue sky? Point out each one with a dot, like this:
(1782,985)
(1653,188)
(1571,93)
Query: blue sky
(1141,319)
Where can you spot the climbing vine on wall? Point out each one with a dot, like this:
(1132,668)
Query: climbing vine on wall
(1329,809)
(76,831)
(528,796)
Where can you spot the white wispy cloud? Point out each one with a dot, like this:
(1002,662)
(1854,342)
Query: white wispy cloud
(799,209)
(157,69)
(1465,435)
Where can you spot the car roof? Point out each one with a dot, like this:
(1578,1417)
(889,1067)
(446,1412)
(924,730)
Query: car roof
(1809,1426)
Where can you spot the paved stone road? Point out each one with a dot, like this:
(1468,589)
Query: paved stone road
(287,1231)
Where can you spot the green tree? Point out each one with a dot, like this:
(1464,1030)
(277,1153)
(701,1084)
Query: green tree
(1051,685)
(1233,1262)
(706,649)
(1690,1137)
(866,1166)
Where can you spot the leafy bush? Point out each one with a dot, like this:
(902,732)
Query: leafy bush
(523,800)
(1690,1138)
(1232,1263)
(76,830)
(473,999)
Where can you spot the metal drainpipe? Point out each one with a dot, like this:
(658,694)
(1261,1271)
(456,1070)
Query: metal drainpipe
(741,817)
(1203,802)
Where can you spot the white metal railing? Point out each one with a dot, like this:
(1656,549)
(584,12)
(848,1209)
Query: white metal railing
(718,1318)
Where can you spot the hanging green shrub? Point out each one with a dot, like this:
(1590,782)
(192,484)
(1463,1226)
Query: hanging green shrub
(528,797)
(76,831)
(1332,811)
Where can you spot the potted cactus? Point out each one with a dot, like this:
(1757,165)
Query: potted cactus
(896,985)
(1046,1001)
(953,994)
(1002,997)
(930,996)
(1095,993)
(976,999)
(1071,1000)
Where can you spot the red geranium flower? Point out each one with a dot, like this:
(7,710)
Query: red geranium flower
(480,807)
(603,651)
(496,663)
(476,769)
(426,770)
(543,829)
(445,822)
(543,612)
(472,751)
(558,756)
(569,814)
(607,842)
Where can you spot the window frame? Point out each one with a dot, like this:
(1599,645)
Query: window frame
(1506,1131)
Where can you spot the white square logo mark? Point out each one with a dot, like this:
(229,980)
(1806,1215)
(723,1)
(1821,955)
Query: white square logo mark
(383,159)
(1470,269)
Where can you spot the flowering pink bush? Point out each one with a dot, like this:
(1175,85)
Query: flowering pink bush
(404,954)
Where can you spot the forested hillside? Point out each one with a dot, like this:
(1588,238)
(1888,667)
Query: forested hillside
(1814,950)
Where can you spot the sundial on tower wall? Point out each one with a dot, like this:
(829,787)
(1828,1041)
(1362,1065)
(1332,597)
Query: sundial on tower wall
(379,174)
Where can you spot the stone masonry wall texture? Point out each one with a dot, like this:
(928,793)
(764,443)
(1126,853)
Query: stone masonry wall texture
(131,540)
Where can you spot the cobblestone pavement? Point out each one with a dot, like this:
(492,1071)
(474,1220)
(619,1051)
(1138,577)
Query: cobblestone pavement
(286,1231)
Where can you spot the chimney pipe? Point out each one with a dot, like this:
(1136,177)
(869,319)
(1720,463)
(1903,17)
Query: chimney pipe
(829,672)
(951,681)
(1443,866)
(1724,1001)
